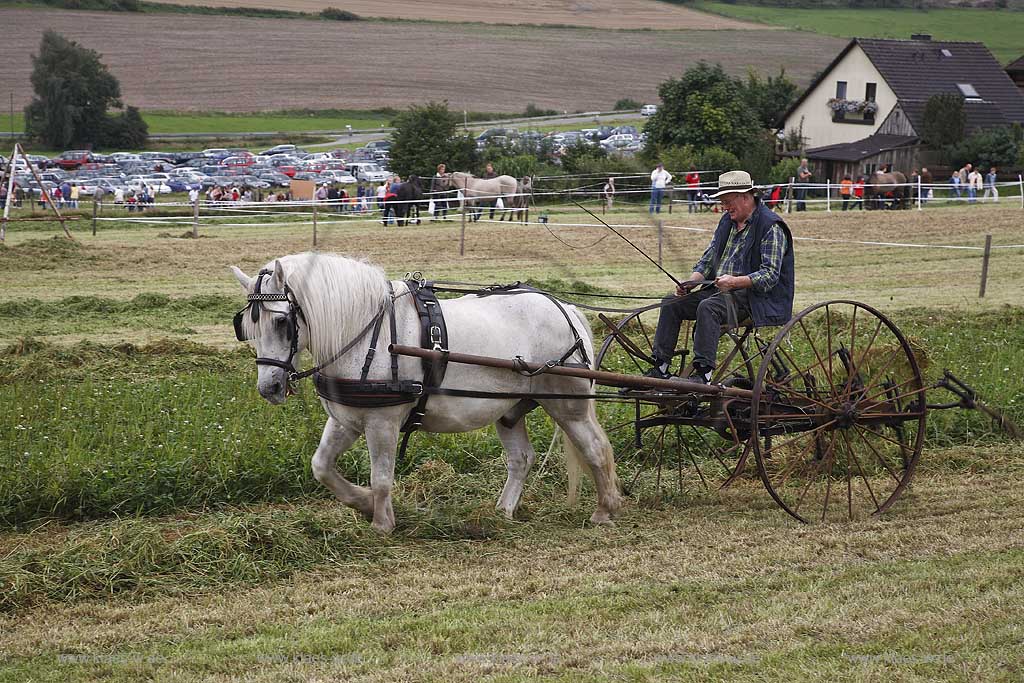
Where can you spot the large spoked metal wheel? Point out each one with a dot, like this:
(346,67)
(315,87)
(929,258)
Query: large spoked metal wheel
(699,446)
(838,413)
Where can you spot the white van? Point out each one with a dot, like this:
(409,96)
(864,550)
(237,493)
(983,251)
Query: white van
(648,110)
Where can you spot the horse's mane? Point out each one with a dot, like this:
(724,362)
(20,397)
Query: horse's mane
(338,295)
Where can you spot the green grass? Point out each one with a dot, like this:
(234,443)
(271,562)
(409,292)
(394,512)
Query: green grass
(161,122)
(1000,30)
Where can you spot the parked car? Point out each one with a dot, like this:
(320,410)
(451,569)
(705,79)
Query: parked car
(216,153)
(337,176)
(367,171)
(648,110)
(72,159)
(237,161)
(379,144)
(282,149)
(618,140)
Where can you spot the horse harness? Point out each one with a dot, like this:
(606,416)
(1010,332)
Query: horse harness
(366,393)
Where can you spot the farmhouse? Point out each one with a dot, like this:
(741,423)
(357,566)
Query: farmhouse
(866,108)
(1015,70)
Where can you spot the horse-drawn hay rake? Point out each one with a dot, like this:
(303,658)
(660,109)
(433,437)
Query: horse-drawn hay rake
(833,409)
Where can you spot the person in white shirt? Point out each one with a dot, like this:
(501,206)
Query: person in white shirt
(193,196)
(659,179)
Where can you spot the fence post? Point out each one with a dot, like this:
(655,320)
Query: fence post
(1020,181)
(314,222)
(828,195)
(195,218)
(984,265)
(462,231)
(671,196)
(918,191)
(95,209)
(660,233)
(789,195)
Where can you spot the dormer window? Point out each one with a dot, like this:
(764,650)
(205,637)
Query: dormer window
(968,92)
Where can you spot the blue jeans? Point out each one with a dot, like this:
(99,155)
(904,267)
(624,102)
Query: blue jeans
(972,193)
(656,194)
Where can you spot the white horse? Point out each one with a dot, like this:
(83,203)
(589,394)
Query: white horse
(325,301)
(477,190)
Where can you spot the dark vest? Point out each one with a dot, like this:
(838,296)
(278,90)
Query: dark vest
(774,307)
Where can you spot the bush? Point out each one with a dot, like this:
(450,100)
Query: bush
(626,103)
(127,130)
(985,148)
(335,14)
(783,171)
(717,159)
(533,110)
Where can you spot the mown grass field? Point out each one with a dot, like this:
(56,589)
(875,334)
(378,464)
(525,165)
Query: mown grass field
(999,29)
(158,519)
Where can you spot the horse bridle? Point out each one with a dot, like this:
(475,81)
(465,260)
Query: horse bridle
(255,306)
(256,300)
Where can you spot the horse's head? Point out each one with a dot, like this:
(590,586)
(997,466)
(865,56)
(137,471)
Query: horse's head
(274,324)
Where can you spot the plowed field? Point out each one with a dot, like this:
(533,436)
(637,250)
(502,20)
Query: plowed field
(596,13)
(220,63)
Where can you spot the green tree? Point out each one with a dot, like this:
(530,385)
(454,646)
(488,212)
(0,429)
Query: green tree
(985,148)
(943,120)
(770,98)
(73,91)
(705,108)
(127,130)
(427,135)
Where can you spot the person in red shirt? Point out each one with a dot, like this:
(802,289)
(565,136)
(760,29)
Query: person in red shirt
(858,193)
(693,188)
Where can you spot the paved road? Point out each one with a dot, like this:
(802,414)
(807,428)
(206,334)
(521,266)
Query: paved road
(586,120)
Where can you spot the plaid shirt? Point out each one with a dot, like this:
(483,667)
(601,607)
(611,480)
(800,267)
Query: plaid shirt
(773,247)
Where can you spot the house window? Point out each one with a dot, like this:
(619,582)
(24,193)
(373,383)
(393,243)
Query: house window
(968,91)
(869,92)
(840,90)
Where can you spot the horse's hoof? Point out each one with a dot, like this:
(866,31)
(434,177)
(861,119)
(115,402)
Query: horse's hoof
(383,528)
(601,518)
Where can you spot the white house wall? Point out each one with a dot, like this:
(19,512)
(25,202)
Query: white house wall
(857,70)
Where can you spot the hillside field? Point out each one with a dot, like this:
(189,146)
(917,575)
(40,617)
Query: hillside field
(219,63)
(1000,30)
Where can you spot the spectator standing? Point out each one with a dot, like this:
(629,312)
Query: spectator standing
(858,193)
(193,196)
(488,174)
(803,176)
(954,180)
(609,193)
(57,197)
(65,193)
(990,185)
(440,200)
(926,184)
(660,178)
(974,183)
(97,198)
(846,191)
(382,191)
(75,190)
(118,196)
(693,189)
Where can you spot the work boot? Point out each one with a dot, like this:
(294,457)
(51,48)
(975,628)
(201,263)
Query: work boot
(701,374)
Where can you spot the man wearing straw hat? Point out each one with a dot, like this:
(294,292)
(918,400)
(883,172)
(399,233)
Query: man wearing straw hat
(749,260)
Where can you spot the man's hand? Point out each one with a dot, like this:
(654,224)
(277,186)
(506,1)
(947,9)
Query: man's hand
(686,286)
(727,283)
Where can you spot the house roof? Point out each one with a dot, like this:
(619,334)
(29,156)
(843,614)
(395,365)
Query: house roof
(977,115)
(1016,66)
(861,149)
(917,69)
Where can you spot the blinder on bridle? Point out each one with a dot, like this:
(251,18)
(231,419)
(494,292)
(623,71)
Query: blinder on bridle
(255,307)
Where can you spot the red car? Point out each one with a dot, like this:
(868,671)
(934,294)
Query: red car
(72,159)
